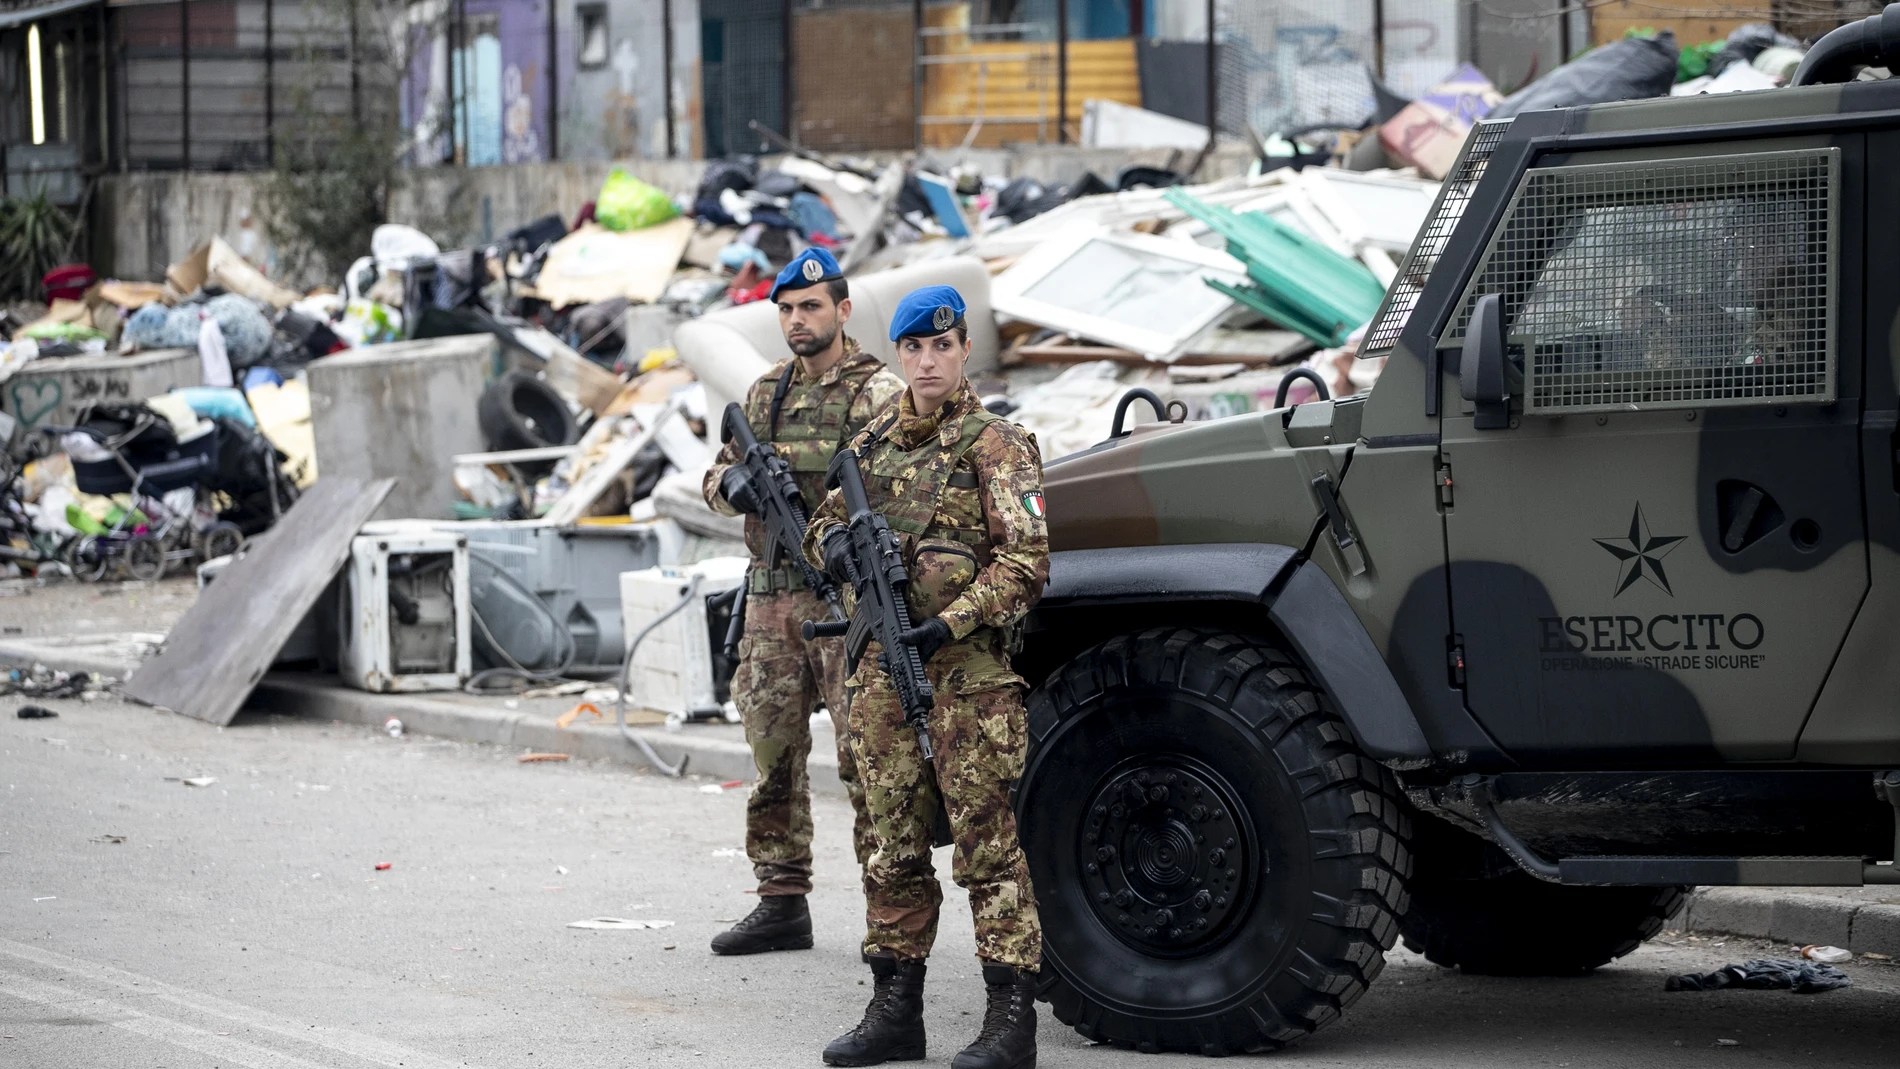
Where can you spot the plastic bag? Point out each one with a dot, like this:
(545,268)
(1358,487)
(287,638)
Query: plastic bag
(1746,42)
(1631,69)
(626,203)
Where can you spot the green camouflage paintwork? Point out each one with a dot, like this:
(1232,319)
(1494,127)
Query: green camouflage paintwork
(980,737)
(1517,554)
(962,490)
(977,550)
(817,417)
(780,682)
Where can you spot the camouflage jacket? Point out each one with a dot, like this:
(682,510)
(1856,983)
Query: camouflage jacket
(963,490)
(816,418)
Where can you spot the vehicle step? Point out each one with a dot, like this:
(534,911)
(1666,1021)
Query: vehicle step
(1714,871)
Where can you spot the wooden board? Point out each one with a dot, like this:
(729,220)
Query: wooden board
(1693,21)
(571,506)
(227,640)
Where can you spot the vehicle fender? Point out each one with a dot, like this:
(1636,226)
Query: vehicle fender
(1300,600)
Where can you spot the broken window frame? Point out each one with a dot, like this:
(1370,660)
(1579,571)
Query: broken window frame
(1329,192)
(1009,292)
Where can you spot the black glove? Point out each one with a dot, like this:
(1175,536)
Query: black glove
(928,637)
(736,487)
(836,550)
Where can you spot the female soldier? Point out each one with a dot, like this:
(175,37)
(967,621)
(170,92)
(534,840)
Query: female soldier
(962,488)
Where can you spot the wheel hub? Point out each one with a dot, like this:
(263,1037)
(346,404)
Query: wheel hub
(1167,857)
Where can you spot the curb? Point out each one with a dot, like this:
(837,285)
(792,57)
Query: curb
(115,655)
(1794,918)
(321,698)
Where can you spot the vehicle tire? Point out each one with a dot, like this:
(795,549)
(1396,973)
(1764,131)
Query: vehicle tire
(221,539)
(1517,925)
(1218,868)
(519,411)
(90,559)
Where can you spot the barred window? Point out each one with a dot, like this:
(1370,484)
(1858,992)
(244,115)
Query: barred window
(1430,244)
(1670,283)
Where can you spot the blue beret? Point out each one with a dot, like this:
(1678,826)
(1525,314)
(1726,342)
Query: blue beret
(808,268)
(927,312)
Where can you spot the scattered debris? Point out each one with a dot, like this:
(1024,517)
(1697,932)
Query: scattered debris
(393,728)
(619,924)
(540,758)
(566,720)
(1764,974)
(1429,132)
(196,781)
(39,681)
(382,866)
(35,712)
(1728,1042)
(721,788)
(107,839)
(1826,955)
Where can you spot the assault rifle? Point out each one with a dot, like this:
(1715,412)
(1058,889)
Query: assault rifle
(781,508)
(875,567)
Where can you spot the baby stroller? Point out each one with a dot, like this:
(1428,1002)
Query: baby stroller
(199,495)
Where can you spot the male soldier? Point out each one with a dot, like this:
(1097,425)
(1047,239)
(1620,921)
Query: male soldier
(963,491)
(807,407)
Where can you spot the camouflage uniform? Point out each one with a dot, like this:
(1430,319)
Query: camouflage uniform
(781,678)
(963,490)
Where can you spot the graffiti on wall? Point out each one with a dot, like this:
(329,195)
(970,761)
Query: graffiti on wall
(494,87)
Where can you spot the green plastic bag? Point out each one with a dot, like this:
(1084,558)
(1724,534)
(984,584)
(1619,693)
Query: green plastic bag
(626,203)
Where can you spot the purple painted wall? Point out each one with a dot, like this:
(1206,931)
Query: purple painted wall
(504,116)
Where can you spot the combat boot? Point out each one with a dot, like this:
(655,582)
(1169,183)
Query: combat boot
(1008,1037)
(778,922)
(893,1025)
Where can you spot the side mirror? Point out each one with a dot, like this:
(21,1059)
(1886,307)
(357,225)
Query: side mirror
(1481,377)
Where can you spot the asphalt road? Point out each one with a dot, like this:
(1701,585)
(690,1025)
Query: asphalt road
(244,924)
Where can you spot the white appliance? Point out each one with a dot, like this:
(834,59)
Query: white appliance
(402,612)
(673,671)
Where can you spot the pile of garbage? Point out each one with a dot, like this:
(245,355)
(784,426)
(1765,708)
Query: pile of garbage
(1212,294)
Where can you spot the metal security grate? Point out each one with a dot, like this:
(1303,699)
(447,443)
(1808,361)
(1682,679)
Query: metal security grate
(1452,198)
(1664,284)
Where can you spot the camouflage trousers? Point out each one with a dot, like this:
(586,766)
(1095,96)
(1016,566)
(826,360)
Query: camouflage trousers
(780,681)
(979,739)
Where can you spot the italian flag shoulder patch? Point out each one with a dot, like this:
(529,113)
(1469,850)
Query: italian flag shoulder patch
(1032,504)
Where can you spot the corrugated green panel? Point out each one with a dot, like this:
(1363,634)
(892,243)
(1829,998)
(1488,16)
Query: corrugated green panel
(1297,282)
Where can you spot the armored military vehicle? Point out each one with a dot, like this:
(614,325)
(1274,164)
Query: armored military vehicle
(1592,599)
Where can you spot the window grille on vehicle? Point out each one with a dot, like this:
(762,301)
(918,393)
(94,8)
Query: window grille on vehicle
(1402,298)
(1669,283)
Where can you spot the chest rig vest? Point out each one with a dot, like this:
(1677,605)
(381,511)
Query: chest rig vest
(807,422)
(936,509)
(937,512)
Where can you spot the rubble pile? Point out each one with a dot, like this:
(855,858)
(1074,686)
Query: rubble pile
(562,376)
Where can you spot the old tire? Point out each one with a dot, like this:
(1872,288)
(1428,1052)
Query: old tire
(1516,925)
(519,411)
(1219,870)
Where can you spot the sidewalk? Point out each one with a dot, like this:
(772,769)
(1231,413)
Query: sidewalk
(124,624)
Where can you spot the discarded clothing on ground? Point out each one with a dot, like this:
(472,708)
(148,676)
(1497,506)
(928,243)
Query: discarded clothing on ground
(1764,974)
